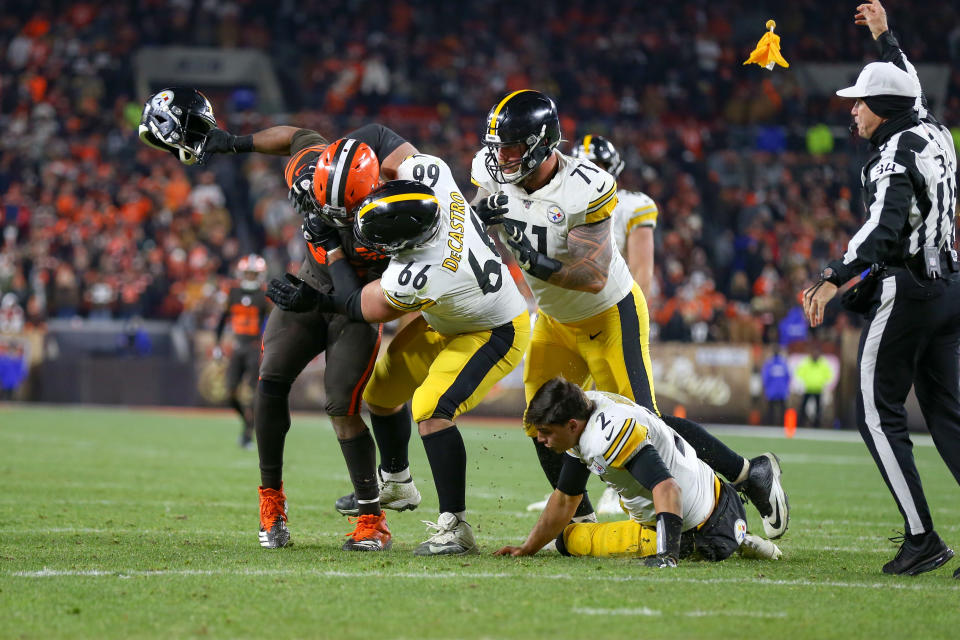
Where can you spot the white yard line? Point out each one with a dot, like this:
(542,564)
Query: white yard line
(644,611)
(891,583)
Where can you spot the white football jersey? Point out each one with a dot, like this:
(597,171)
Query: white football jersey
(457,280)
(616,431)
(580,193)
(635,209)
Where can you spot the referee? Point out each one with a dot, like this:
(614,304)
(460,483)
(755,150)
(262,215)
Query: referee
(912,335)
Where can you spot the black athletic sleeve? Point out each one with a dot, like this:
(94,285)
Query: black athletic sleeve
(890,51)
(573,476)
(305,138)
(648,468)
(347,289)
(381,139)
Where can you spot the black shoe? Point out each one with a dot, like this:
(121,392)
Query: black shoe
(913,558)
(347,505)
(762,487)
(956,574)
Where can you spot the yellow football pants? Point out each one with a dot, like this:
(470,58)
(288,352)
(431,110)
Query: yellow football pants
(445,375)
(611,348)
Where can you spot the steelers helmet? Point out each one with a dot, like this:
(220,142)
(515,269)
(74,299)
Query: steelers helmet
(601,152)
(524,117)
(178,120)
(399,215)
(346,172)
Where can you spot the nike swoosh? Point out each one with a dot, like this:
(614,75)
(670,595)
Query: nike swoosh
(776,511)
(596,334)
(438,550)
(601,188)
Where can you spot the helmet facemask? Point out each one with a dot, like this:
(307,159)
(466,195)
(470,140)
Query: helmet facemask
(537,151)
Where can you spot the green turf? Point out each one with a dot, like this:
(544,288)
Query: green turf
(124,524)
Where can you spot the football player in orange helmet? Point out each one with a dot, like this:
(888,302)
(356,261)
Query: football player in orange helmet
(246,309)
(327,181)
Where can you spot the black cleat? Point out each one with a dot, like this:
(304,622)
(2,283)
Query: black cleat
(914,558)
(762,487)
(956,574)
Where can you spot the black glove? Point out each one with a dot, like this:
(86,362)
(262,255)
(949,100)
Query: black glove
(491,209)
(293,294)
(220,141)
(318,232)
(533,262)
(660,561)
(301,193)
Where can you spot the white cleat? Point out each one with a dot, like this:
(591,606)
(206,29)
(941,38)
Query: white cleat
(453,537)
(759,548)
(538,506)
(610,502)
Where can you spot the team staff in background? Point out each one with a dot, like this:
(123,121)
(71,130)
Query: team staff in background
(912,334)
(473,328)
(328,181)
(677,505)
(554,212)
(246,309)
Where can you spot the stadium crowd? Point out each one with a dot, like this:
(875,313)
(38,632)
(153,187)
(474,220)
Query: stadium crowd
(97,225)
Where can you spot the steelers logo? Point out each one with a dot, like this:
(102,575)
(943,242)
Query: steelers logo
(555,214)
(740,530)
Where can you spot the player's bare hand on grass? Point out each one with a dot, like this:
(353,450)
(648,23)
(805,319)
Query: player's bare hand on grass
(512,551)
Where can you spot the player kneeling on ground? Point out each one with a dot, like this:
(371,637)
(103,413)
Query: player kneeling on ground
(678,506)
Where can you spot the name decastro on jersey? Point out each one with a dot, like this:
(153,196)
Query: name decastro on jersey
(580,193)
(457,280)
(619,429)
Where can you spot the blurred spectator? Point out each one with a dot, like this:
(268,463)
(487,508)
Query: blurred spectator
(95,224)
(13,368)
(814,374)
(776,386)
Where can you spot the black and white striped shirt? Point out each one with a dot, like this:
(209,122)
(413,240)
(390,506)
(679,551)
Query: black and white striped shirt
(909,186)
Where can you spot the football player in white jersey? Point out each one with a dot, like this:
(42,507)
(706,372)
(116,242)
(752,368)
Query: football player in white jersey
(635,217)
(556,215)
(473,329)
(678,507)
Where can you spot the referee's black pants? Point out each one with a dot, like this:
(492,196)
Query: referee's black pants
(913,338)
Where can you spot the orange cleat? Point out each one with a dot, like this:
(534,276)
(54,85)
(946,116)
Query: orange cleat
(370,534)
(273,518)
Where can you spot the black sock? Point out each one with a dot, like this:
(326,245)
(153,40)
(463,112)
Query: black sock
(717,455)
(551,463)
(271,417)
(393,437)
(448,461)
(235,404)
(360,454)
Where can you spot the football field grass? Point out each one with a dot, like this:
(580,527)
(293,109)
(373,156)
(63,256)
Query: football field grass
(143,524)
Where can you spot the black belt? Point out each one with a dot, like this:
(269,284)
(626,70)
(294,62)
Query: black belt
(915,264)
